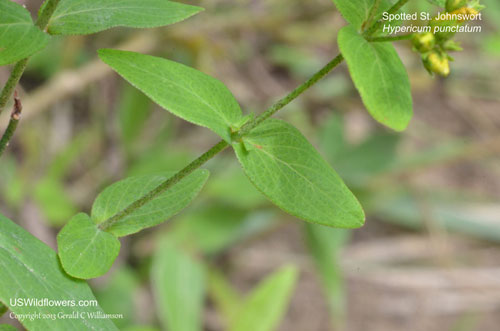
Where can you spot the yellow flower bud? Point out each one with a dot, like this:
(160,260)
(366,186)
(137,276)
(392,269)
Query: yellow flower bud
(424,42)
(437,63)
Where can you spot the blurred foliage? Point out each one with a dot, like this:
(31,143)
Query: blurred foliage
(62,157)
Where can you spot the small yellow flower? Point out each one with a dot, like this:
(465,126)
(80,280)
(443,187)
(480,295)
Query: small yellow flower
(471,12)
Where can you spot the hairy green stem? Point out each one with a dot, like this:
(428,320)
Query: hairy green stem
(216,149)
(378,24)
(221,145)
(292,95)
(19,67)
(11,84)
(11,128)
(391,38)
(46,13)
(371,15)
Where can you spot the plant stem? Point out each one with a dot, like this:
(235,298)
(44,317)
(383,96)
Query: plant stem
(391,10)
(19,67)
(216,149)
(221,145)
(371,15)
(9,87)
(11,128)
(46,14)
(292,95)
(391,38)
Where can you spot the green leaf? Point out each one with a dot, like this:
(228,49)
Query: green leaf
(440,3)
(90,16)
(7,327)
(379,76)
(184,91)
(357,11)
(179,287)
(133,111)
(85,250)
(227,300)
(29,269)
(324,245)
(117,295)
(290,172)
(141,328)
(265,306)
(358,164)
(3,309)
(121,194)
(53,201)
(212,229)
(19,37)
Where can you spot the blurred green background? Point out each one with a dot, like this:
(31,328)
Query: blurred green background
(427,258)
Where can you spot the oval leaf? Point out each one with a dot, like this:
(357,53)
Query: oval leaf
(19,37)
(178,282)
(379,76)
(184,91)
(284,166)
(121,194)
(265,306)
(85,250)
(29,269)
(90,16)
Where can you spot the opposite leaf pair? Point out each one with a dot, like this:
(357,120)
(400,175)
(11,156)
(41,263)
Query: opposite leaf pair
(279,161)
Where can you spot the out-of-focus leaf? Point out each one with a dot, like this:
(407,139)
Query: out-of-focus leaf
(3,309)
(50,193)
(380,77)
(440,3)
(140,328)
(158,160)
(491,44)
(133,110)
(184,91)
(121,194)
(357,11)
(117,296)
(302,63)
(85,250)
(179,287)
(225,297)
(492,12)
(90,16)
(12,183)
(54,202)
(7,327)
(282,164)
(231,186)
(376,154)
(331,137)
(324,244)
(464,215)
(29,269)
(19,37)
(213,229)
(266,305)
